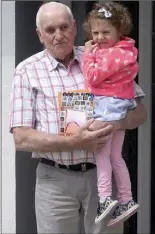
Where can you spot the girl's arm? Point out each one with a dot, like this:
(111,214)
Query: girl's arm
(106,63)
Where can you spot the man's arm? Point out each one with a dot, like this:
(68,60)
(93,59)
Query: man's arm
(137,116)
(28,139)
(134,118)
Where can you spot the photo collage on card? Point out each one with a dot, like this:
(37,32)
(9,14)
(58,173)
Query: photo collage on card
(75,104)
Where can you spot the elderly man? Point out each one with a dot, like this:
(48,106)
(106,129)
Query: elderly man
(62,187)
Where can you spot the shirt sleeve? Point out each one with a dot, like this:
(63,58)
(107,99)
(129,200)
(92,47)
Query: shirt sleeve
(138,91)
(105,63)
(22,101)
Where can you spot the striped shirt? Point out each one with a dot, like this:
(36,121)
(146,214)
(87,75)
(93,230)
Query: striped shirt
(34,98)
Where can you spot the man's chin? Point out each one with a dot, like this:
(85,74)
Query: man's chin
(62,54)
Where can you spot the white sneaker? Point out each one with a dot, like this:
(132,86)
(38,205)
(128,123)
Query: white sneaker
(105,208)
(123,212)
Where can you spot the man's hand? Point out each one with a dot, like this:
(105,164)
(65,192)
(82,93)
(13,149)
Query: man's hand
(90,46)
(98,124)
(91,140)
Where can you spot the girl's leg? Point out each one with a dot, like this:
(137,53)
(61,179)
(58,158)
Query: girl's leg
(127,205)
(106,203)
(104,170)
(120,169)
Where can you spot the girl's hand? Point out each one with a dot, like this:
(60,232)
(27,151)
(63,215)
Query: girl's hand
(90,46)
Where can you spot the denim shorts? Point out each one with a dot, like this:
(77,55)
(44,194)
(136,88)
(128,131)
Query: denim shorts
(111,109)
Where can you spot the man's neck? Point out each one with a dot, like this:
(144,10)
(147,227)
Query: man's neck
(66,61)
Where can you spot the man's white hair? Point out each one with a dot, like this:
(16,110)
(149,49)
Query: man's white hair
(54,4)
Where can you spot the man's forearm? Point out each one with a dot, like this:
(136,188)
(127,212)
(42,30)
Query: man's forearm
(28,139)
(135,117)
(31,140)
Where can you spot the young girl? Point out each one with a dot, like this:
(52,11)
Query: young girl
(110,67)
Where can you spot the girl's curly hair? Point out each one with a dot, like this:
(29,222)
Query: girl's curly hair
(120,18)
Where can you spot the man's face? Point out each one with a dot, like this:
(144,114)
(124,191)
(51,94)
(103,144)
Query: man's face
(57,32)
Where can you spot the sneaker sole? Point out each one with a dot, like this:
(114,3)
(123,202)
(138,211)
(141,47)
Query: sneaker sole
(124,216)
(109,210)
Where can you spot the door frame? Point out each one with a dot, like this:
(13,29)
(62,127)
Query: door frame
(144,131)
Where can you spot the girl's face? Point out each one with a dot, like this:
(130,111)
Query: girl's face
(104,33)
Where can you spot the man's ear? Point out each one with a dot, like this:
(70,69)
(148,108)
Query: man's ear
(39,35)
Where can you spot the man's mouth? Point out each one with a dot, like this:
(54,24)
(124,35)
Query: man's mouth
(61,43)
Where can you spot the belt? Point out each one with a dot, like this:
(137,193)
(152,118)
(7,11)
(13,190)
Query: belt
(74,167)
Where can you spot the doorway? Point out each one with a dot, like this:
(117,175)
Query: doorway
(27,44)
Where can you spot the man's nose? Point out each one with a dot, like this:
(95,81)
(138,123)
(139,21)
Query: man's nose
(58,35)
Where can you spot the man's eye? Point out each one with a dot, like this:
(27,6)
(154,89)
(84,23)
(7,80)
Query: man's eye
(50,30)
(64,27)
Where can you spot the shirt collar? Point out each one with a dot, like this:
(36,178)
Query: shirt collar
(76,54)
(52,63)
